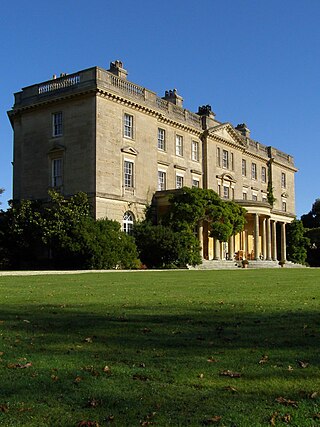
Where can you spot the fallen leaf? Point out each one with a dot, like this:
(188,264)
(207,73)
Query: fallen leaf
(77,380)
(140,377)
(232,389)
(290,368)
(145,330)
(4,408)
(287,402)
(302,364)
(201,376)
(1,353)
(273,418)
(230,374)
(93,403)
(212,360)
(286,418)
(215,419)
(316,416)
(107,370)
(54,377)
(88,424)
(89,339)
(314,395)
(19,365)
(264,359)
(26,321)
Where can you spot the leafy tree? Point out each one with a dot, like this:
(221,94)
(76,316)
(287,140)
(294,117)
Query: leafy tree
(312,219)
(313,256)
(191,205)
(160,246)
(297,243)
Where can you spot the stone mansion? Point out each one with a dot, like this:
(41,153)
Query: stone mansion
(97,132)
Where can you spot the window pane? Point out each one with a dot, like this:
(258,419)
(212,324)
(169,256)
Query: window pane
(161,180)
(195,151)
(57,124)
(244,168)
(161,139)
(179,145)
(128,126)
(128,221)
(57,172)
(179,181)
(128,174)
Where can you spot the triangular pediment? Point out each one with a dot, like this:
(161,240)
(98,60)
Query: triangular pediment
(129,150)
(56,148)
(228,133)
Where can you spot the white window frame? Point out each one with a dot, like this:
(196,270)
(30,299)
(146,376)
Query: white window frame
(195,183)
(162,180)
(254,170)
(263,174)
(161,139)
(195,151)
(225,159)
(128,173)
(283,180)
(218,156)
(57,122)
(226,192)
(244,167)
(179,145)
(179,181)
(128,222)
(284,206)
(128,125)
(254,197)
(57,172)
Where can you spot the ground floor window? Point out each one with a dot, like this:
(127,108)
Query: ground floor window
(128,221)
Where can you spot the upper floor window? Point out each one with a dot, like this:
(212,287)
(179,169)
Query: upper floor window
(179,145)
(179,181)
(283,180)
(128,222)
(218,156)
(57,124)
(263,174)
(225,159)
(231,161)
(284,206)
(128,126)
(161,139)
(57,172)
(128,174)
(161,180)
(195,151)
(254,171)
(244,167)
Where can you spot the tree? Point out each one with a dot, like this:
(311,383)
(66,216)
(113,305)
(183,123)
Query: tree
(312,219)
(297,243)
(160,246)
(190,206)
(1,192)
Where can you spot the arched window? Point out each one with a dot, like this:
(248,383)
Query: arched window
(128,221)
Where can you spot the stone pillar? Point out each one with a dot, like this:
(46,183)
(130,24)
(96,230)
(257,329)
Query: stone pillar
(283,242)
(274,240)
(256,237)
(200,237)
(269,239)
(231,248)
(217,252)
(264,239)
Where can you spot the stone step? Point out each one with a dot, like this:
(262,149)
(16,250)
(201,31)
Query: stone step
(232,265)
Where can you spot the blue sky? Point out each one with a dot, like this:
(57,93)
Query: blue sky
(253,61)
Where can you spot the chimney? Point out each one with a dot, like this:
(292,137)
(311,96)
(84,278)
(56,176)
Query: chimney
(242,128)
(117,69)
(172,96)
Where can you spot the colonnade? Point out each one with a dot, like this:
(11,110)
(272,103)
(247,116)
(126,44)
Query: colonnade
(264,246)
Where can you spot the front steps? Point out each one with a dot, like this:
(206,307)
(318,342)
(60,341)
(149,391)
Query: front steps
(233,265)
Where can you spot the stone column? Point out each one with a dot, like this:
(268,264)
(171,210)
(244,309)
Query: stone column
(264,239)
(231,248)
(269,239)
(274,240)
(256,237)
(200,237)
(217,255)
(283,242)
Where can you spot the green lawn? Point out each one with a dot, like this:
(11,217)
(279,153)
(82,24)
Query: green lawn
(180,348)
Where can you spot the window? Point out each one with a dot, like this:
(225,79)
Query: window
(161,180)
(57,172)
(225,192)
(179,181)
(231,162)
(128,126)
(128,221)
(218,156)
(225,159)
(195,183)
(179,145)
(219,190)
(128,174)
(254,197)
(244,196)
(283,180)
(195,151)
(57,124)
(244,167)
(284,206)
(161,139)
(254,171)
(263,174)
(264,198)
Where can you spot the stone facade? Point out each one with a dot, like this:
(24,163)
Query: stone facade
(97,132)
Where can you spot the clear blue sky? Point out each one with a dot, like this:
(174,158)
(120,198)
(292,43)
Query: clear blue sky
(253,61)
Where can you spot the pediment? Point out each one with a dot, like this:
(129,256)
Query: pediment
(56,148)
(129,150)
(228,133)
(227,177)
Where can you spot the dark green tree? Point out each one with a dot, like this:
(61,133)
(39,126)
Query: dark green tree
(312,219)
(297,243)
(190,206)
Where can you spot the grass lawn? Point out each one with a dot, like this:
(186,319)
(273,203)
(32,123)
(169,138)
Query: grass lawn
(180,348)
